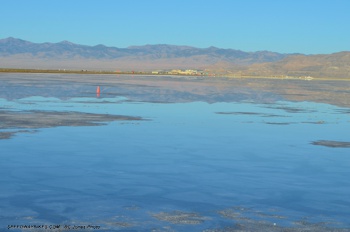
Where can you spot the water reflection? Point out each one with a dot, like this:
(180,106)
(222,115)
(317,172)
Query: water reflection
(172,90)
(259,163)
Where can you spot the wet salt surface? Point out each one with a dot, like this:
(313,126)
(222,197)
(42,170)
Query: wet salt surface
(190,167)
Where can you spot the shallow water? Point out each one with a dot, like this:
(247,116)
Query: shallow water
(191,166)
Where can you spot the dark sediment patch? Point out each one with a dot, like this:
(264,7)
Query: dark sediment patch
(292,109)
(178,217)
(245,219)
(330,143)
(9,134)
(317,122)
(269,215)
(343,111)
(279,123)
(250,113)
(6,135)
(239,113)
(47,119)
(274,115)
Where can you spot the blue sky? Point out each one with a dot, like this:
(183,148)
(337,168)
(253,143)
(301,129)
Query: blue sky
(287,26)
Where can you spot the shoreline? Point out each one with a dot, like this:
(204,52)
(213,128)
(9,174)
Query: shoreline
(140,73)
(171,88)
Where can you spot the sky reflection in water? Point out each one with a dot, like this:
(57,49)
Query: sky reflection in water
(187,157)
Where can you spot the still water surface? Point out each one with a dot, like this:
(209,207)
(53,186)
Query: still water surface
(193,166)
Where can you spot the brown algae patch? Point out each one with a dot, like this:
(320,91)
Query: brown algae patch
(178,217)
(330,143)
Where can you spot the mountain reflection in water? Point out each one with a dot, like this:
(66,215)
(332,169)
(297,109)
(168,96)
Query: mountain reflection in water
(172,154)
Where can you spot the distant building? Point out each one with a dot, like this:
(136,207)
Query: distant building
(308,78)
(158,72)
(175,71)
(184,72)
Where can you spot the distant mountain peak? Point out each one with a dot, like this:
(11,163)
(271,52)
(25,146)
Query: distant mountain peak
(157,46)
(100,46)
(66,42)
(213,47)
(10,39)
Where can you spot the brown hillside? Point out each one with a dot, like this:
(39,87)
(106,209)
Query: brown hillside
(335,65)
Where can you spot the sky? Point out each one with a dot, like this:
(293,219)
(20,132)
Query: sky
(285,26)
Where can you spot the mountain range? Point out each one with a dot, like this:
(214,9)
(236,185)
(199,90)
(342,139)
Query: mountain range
(17,53)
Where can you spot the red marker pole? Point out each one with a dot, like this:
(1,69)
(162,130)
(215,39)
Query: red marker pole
(98,91)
